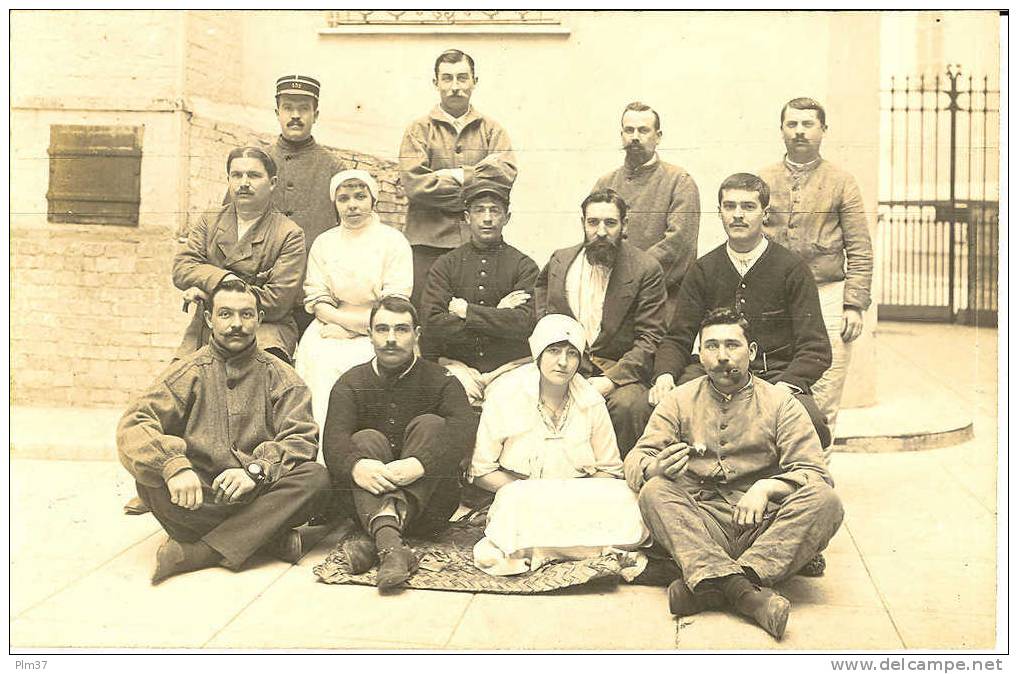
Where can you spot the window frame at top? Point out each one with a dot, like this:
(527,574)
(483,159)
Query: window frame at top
(94,174)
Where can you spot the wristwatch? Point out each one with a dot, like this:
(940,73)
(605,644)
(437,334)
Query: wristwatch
(256,472)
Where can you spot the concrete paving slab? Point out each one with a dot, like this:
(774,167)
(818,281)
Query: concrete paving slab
(935,585)
(117,606)
(936,631)
(299,612)
(810,627)
(63,526)
(64,433)
(846,582)
(623,617)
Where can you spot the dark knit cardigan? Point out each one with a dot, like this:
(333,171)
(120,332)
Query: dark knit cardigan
(779,299)
(361,399)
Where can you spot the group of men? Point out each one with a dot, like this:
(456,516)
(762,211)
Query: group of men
(726,448)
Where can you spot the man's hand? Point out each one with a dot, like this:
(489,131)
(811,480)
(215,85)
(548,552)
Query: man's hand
(185,489)
(516,298)
(749,511)
(602,385)
(373,476)
(406,471)
(232,485)
(458,307)
(335,331)
(195,294)
(662,385)
(457,174)
(670,462)
(851,324)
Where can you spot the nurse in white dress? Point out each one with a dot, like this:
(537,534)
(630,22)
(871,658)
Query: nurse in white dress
(540,429)
(349,268)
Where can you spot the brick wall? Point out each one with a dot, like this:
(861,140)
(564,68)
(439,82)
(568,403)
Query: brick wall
(94,314)
(211,141)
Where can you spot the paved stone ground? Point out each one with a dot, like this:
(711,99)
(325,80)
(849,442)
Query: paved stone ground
(913,567)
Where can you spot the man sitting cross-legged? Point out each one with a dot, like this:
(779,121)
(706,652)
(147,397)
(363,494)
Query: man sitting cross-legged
(732,482)
(396,431)
(223,446)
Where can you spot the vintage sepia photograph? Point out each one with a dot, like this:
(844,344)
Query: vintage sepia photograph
(448,331)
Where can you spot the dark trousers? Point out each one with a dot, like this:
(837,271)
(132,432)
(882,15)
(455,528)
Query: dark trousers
(237,530)
(629,410)
(695,370)
(429,501)
(704,541)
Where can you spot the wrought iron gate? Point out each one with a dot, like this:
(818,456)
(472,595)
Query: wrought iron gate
(938,219)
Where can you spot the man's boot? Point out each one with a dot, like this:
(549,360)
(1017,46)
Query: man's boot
(765,606)
(174,557)
(683,602)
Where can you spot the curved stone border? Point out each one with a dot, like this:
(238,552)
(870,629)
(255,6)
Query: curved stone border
(904,443)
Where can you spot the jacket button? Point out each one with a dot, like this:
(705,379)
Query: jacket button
(230,383)
(724,426)
(484,261)
(484,273)
(480,287)
(289,213)
(459,149)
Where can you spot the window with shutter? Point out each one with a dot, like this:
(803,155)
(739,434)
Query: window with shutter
(94,174)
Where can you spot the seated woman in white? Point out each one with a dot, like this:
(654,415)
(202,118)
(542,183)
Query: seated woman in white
(541,428)
(350,267)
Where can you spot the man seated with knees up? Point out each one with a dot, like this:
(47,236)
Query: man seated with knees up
(732,482)
(396,431)
(768,286)
(478,311)
(223,446)
(617,293)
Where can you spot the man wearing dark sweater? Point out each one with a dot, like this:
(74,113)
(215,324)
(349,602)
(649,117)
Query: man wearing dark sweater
(397,429)
(664,201)
(768,286)
(478,307)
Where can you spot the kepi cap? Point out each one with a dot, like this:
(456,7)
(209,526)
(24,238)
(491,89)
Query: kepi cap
(487,179)
(301,85)
(555,328)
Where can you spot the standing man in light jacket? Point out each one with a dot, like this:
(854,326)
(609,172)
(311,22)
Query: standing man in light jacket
(817,212)
(441,152)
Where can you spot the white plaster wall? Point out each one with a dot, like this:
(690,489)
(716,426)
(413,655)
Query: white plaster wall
(718,81)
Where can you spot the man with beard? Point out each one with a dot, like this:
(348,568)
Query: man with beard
(818,214)
(223,446)
(768,286)
(732,482)
(664,202)
(439,154)
(478,305)
(397,429)
(616,291)
(305,167)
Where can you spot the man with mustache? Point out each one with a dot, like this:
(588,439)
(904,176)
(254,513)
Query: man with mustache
(732,481)
(396,431)
(250,240)
(664,201)
(222,446)
(765,284)
(818,213)
(439,154)
(478,301)
(304,166)
(616,291)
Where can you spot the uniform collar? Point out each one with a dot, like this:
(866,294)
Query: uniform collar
(725,397)
(290,146)
(232,358)
(438,113)
(494,248)
(374,366)
(802,168)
